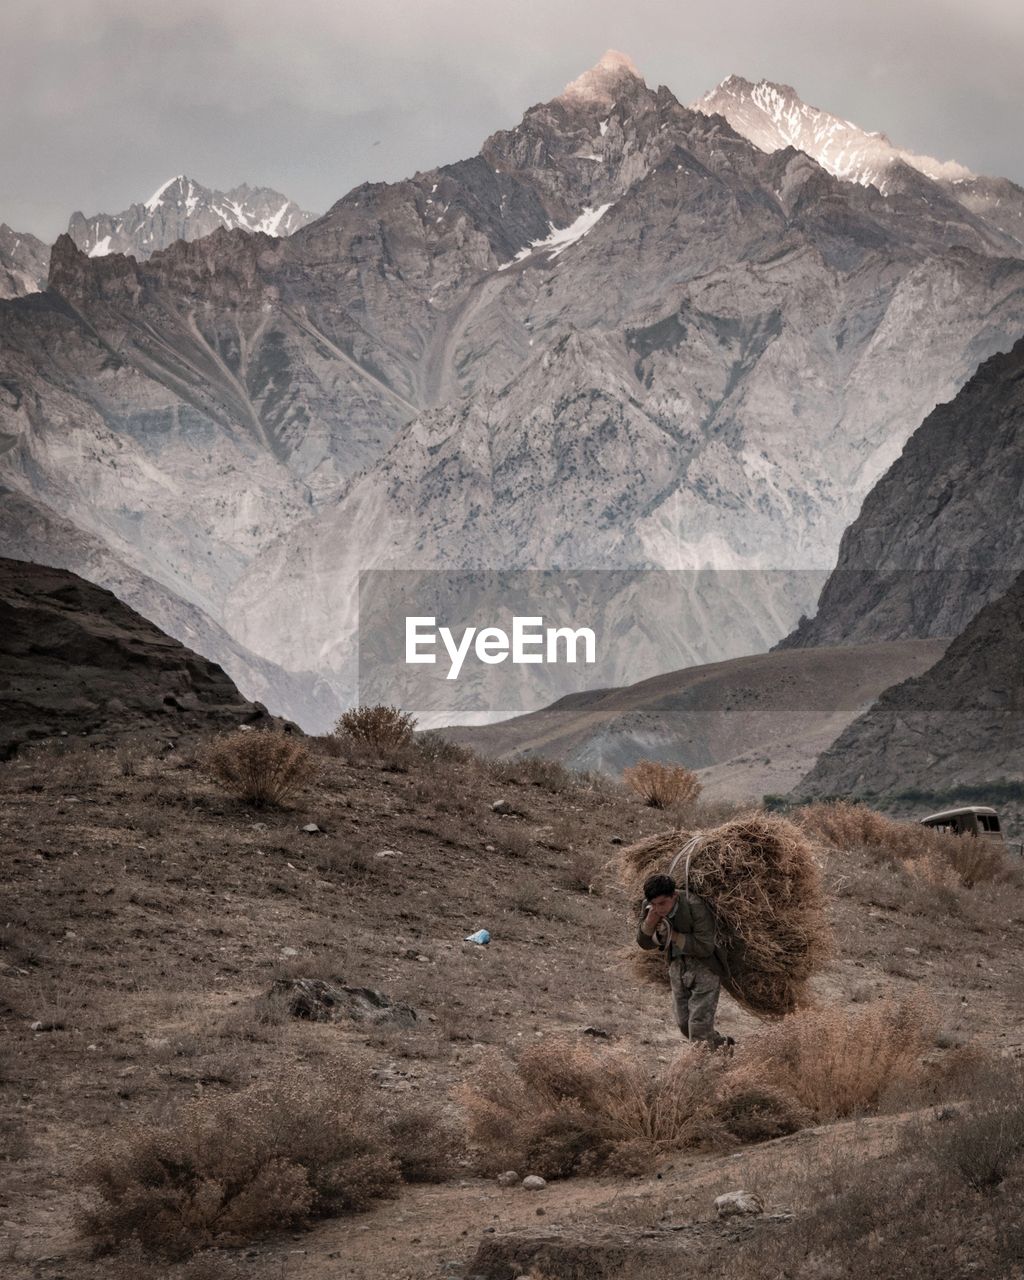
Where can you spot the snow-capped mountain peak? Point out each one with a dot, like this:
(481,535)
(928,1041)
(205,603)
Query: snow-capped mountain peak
(157,198)
(183,209)
(773,116)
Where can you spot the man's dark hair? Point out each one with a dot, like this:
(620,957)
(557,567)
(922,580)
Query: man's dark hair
(659,886)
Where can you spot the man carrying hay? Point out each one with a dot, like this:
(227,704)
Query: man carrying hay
(681,925)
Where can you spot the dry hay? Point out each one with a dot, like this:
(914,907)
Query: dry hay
(759,875)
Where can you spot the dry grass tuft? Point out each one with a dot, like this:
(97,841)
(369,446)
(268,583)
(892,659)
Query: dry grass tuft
(380,728)
(231,1169)
(260,766)
(663,786)
(760,877)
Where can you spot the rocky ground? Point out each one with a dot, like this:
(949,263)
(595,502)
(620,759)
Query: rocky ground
(145,911)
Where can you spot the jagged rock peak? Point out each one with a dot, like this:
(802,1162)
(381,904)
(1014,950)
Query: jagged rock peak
(601,84)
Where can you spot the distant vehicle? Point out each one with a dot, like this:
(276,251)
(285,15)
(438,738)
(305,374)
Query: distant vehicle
(970,820)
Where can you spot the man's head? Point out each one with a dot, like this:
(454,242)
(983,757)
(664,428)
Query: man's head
(660,892)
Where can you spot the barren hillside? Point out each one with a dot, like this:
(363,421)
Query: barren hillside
(147,915)
(750,726)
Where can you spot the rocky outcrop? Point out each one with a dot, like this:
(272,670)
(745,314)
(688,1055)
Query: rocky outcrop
(956,729)
(940,535)
(76,662)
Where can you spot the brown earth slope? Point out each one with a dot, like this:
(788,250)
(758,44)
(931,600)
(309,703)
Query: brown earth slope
(75,661)
(751,725)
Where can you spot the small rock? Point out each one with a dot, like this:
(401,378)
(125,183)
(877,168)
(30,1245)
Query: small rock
(46,1026)
(533,1182)
(388,853)
(311,828)
(289,951)
(737,1203)
(598,1032)
(508,1179)
(617,840)
(259,826)
(502,806)
(488,848)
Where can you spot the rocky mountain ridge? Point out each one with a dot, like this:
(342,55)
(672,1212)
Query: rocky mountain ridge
(182,209)
(621,335)
(939,536)
(773,117)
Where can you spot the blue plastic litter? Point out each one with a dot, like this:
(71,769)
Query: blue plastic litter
(481,937)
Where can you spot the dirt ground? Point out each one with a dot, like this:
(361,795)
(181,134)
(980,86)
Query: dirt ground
(144,909)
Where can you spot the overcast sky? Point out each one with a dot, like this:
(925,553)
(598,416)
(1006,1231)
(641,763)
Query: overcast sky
(102,100)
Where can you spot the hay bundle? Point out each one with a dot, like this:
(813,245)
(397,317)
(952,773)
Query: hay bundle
(759,876)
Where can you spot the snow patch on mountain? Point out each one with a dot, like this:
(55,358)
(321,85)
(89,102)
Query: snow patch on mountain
(157,197)
(562,237)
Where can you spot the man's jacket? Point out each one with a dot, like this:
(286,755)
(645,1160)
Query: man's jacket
(693,934)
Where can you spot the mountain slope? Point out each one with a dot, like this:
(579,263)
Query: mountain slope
(752,725)
(773,117)
(940,534)
(76,661)
(23,263)
(181,209)
(620,335)
(959,725)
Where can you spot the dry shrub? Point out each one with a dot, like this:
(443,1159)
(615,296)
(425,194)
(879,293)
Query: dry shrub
(231,1169)
(662,786)
(435,748)
(426,1146)
(383,729)
(260,766)
(932,871)
(845,1061)
(754,1110)
(759,875)
(853,826)
(565,1108)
